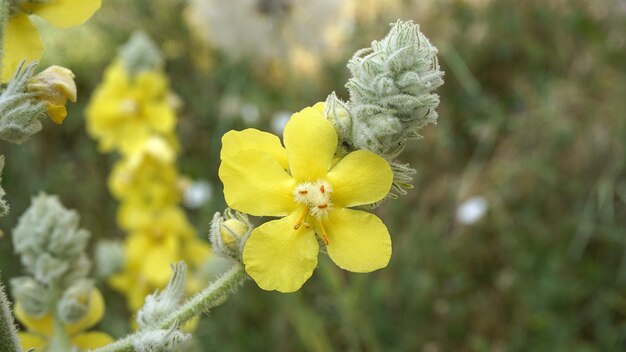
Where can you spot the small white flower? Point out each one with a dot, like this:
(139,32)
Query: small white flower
(197,194)
(472,210)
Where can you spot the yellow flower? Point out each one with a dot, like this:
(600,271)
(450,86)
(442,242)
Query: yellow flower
(21,40)
(158,238)
(54,86)
(147,176)
(41,329)
(126,111)
(302,184)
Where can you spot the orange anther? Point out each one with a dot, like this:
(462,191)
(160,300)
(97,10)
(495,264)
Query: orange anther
(303,192)
(300,220)
(324,238)
(322,188)
(323,206)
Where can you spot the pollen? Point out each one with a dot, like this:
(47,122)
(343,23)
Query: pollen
(316,196)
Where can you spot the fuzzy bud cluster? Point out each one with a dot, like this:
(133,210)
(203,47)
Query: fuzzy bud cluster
(52,249)
(391,97)
(229,233)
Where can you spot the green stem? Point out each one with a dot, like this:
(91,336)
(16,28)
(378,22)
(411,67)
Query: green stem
(8,335)
(60,340)
(212,296)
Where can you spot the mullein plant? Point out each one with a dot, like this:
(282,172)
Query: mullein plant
(336,161)
(25,99)
(132,113)
(56,301)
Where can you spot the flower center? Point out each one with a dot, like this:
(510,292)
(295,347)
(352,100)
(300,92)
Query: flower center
(128,107)
(316,198)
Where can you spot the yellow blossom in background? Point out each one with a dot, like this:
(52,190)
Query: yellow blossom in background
(54,86)
(147,176)
(40,329)
(21,39)
(312,192)
(126,111)
(134,115)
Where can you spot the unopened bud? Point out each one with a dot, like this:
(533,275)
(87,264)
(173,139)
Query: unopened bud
(75,301)
(231,231)
(32,295)
(54,86)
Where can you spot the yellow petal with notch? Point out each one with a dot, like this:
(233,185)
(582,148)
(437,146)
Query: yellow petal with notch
(311,141)
(357,241)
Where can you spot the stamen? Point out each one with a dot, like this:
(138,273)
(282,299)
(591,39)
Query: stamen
(322,206)
(324,237)
(303,192)
(322,188)
(300,219)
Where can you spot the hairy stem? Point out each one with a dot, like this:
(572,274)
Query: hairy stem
(4,16)
(212,296)
(8,335)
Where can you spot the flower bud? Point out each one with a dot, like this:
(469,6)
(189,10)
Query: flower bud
(109,258)
(32,295)
(54,86)
(161,304)
(75,301)
(231,231)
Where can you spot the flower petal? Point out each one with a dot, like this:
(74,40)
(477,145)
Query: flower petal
(255,183)
(91,340)
(92,317)
(65,13)
(21,42)
(361,177)
(311,141)
(357,241)
(28,341)
(236,141)
(40,325)
(280,258)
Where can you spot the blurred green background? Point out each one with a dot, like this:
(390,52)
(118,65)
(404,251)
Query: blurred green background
(532,119)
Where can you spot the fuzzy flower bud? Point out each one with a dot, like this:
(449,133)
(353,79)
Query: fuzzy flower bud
(19,110)
(161,304)
(229,233)
(33,296)
(75,301)
(391,97)
(54,86)
(109,258)
(4,207)
(140,53)
(50,243)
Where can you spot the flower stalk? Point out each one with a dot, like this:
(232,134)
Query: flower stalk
(212,296)
(8,335)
